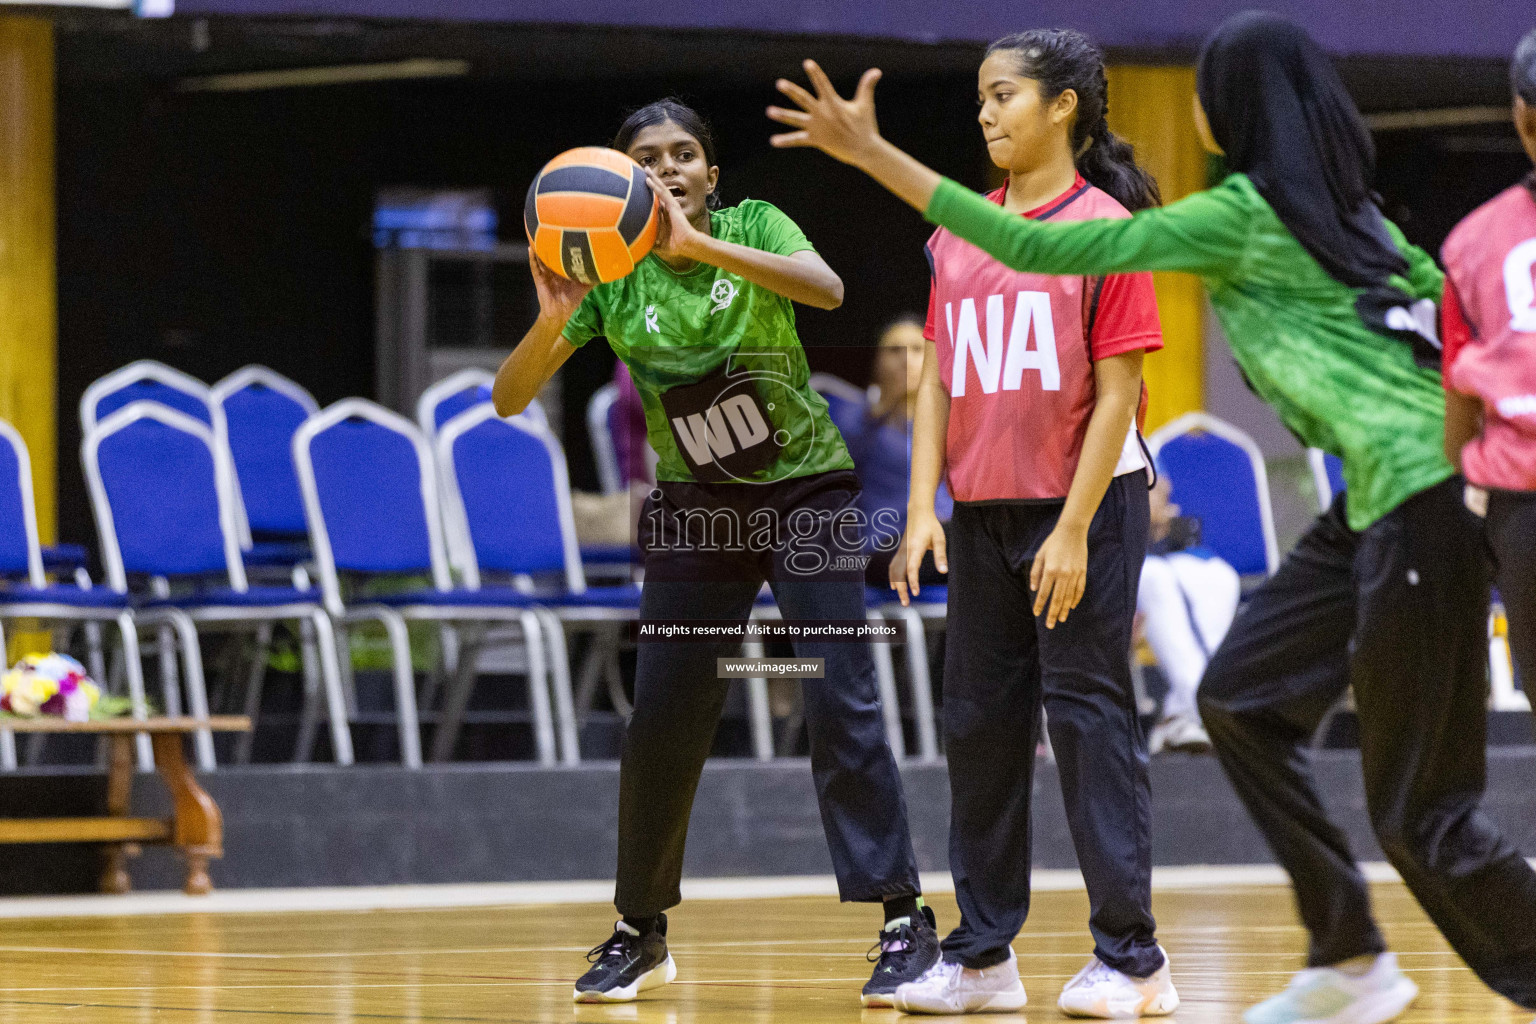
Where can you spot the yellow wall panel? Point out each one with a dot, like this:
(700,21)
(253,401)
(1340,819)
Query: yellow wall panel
(1150,108)
(27,297)
(27,290)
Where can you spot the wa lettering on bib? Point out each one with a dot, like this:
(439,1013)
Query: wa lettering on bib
(1016,356)
(1031,310)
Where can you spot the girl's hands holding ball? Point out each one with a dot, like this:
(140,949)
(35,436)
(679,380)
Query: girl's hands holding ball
(677,237)
(558,296)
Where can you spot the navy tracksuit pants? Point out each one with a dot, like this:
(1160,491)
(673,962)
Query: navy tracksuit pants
(678,696)
(1511,531)
(1001,665)
(1398,611)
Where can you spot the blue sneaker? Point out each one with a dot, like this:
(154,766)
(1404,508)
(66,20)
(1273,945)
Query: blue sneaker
(1324,995)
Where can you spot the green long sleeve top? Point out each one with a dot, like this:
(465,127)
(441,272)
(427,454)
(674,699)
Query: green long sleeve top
(1336,384)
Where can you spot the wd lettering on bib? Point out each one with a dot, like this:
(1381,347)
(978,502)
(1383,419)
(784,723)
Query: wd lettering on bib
(722,428)
(704,436)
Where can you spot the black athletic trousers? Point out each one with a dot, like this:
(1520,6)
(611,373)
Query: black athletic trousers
(1511,527)
(1399,610)
(678,698)
(1001,663)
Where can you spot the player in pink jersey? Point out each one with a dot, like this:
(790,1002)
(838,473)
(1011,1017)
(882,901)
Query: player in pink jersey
(1488,327)
(1028,406)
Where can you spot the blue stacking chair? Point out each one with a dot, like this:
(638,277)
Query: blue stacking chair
(1327,476)
(483,459)
(371,500)
(165,510)
(450,396)
(26,593)
(147,380)
(261,410)
(1218,476)
(459,391)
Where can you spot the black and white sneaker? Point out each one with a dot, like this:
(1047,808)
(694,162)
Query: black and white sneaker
(627,964)
(906,949)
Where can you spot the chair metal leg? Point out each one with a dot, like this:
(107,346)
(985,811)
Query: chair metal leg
(885,680)
(593,662)
(197,689)
(758,714)
(461,685)
(405,683)
(255,681)
(309,709)
(330,681)
(560,685)
(95,661)
(133,672)
(447,665)
(615,679)
(920,681)
(170,684)
(344,660)
(538,688)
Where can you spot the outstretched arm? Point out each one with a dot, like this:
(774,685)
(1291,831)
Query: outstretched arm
(1202,234)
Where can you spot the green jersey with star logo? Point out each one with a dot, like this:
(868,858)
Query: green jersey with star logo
(676,329)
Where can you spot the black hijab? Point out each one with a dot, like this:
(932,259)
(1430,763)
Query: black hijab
(1281,114)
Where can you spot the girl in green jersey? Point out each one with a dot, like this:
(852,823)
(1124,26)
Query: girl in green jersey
(1330,315)
(754,483)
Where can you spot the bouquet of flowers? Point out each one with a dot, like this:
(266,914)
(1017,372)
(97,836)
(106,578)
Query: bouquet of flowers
(52,684)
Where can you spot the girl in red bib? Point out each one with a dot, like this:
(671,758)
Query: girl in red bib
(1488,326)
(1029,407)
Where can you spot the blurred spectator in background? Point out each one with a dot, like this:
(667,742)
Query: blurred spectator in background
(1186,602)
(881,445)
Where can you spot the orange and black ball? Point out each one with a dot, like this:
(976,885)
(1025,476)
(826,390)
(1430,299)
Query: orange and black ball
(590,215)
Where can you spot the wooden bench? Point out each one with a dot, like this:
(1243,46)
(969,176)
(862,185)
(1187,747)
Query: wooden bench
(195,827)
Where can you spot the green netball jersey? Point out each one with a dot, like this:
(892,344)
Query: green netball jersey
(675,329)
(1337,384)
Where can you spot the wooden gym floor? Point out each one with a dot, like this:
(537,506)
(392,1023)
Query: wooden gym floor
(764,960)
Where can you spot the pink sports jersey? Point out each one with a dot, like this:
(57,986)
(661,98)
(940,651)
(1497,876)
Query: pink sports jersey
(1015,359)
(1489,333)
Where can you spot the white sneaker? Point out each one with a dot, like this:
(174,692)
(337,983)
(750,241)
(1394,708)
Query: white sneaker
(1324,995)
(951,988)
(1183,733)
(1101,991)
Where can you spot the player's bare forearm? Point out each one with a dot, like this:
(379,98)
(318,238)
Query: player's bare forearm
(803,277)
(1463,422)
(542,351)
(1117,382)
(930,426)
(905,175)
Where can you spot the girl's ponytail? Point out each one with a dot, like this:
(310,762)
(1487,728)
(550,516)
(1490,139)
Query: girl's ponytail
(1109,163)
(1062,59)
